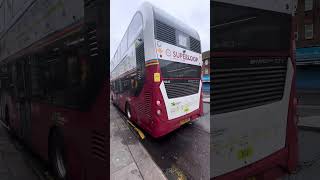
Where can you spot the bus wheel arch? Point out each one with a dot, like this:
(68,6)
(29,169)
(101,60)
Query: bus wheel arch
(57,153)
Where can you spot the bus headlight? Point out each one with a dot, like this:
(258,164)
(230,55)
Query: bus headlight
(158,103)
(159,112)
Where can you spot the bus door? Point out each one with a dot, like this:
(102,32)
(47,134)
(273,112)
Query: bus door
(23,99)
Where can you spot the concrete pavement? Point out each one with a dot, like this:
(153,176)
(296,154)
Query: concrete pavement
(13,163)
(206,98)
(129,160)
(309,161)
(310,123)
(309,117)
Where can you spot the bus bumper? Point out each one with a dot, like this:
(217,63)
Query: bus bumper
(269,168)
(163,127)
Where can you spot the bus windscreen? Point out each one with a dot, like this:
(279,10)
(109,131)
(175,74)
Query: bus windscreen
(239,28)
(170,69)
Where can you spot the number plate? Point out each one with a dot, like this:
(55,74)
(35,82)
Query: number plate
(182,122)
(252,178)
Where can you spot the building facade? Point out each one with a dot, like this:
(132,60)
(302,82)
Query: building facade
(307,34)
(307,23)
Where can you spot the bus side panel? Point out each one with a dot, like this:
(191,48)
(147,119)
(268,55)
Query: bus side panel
(13,115)
(86,140)
(40,123)
(76,132)
(143,107)
(292,134)
(98,157)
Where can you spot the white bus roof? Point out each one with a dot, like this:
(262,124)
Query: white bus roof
(283,6)
(149,13)
(174,22)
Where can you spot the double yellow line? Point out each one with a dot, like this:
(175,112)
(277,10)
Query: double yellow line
(142,136)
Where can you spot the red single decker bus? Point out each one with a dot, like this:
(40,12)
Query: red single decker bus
(253,105)
(54,82)
(156,72)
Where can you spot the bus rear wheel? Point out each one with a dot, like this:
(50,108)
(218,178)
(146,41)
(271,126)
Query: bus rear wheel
(57,156)
(128,111)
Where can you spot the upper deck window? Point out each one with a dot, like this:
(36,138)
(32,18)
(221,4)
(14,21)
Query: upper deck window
(124,45)
(135,28)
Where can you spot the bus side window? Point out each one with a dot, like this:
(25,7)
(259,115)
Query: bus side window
(74,75)
(134,28)
(14,80)
(118,86)
(35,68)
(126,85)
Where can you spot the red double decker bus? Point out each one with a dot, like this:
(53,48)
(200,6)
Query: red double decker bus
(54,82)
(253,105)
(156,72)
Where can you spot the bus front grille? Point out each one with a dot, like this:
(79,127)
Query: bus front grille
(239,83)
(180,88)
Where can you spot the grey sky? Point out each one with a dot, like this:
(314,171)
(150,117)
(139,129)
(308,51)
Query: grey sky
(195,13)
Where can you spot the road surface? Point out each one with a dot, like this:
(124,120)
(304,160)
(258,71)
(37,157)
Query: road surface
(185,152)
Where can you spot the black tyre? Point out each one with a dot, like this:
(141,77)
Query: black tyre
(112,100)
(57,156)
(128,111)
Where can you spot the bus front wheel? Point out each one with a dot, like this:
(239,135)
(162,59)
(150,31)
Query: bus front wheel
(57,156)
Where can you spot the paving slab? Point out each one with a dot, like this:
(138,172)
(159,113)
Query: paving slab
(206,100)
(13,164)
(310,123)
(130,172)
(128,158)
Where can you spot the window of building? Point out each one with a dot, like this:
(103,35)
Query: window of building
(206,62)
(308,31)
(296,36)
(308,5)
(206,71)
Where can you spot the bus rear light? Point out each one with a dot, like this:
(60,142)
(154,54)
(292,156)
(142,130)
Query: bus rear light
(158,103)
(158,112)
